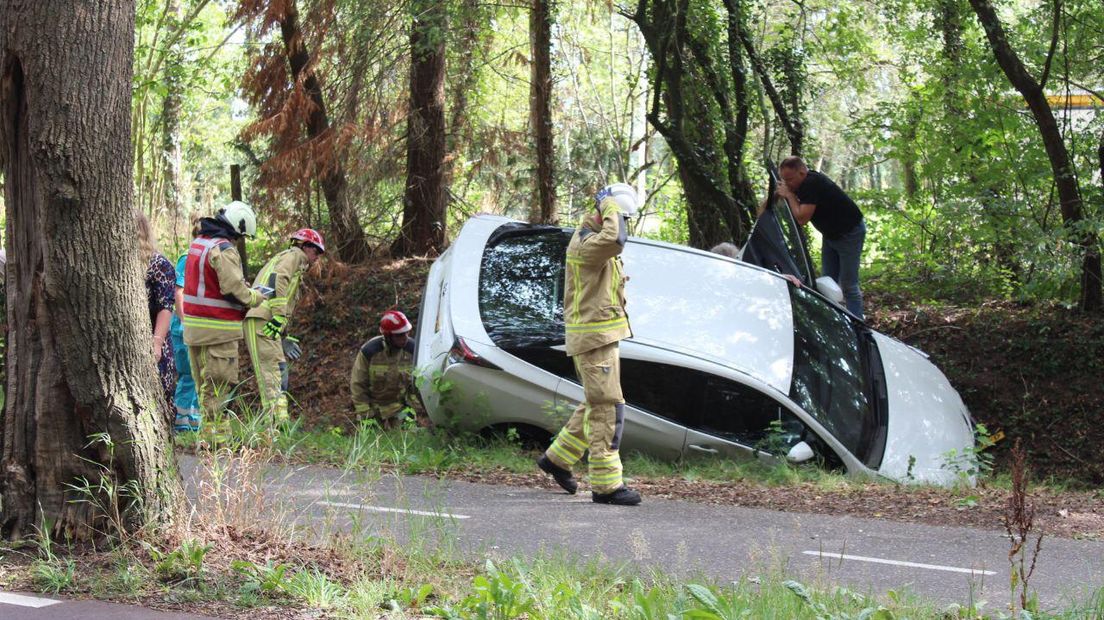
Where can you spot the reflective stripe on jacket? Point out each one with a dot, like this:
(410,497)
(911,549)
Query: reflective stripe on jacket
(594,290)
(215,293)
(283,273)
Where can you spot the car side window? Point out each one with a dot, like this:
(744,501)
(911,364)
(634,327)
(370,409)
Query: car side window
(521,285)
(744,415)
(667,391)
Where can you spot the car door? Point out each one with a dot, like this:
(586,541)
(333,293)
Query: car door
(658,400)
(776,242)
(740,421)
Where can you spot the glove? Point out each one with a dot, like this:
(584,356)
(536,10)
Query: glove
(292,350)
(275,327)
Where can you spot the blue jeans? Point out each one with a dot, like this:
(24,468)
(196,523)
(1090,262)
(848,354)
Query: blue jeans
(839,260)
(188,415)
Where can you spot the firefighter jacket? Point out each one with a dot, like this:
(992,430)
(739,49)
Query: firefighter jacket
(283,273)
(594,287)
(215,293)
(381,377)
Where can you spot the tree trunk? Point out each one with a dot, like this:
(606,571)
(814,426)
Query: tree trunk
(425,201)
(348,242)
(684,82)
(540,110)
(79,355)
(1069,194)
(170,138)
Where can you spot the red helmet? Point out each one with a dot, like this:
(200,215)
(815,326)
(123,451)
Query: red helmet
(394,322)
(311,236)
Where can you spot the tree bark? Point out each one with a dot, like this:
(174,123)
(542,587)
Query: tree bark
(540,111)
(716,190)
(1069,194)
(79,355)
(425,200)
(348,242)
(170,138)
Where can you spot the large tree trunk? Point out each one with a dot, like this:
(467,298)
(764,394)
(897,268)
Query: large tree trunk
(1069,194)
(348,242)
(79,357)
(540,110)
(425,201)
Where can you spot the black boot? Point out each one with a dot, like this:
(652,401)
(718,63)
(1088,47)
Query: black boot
(621,496)
(562,476)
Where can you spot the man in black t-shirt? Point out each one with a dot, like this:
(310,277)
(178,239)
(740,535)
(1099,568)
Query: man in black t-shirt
(814,198)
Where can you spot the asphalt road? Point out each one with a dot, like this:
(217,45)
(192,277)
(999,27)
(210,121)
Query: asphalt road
(870,556)
(24,606)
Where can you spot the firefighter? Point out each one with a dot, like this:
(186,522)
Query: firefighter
(265,330)
(596,321)
(215,301)
(381,377)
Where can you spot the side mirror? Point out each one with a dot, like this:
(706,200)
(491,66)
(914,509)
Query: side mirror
(800,453)
(830,289)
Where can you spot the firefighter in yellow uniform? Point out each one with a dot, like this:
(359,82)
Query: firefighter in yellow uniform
(596,321)
(265,329)
(216,298)
(381,377)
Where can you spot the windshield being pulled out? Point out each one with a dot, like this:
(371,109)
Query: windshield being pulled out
(830,378)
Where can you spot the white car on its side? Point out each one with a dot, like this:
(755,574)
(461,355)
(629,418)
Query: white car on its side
(727,358)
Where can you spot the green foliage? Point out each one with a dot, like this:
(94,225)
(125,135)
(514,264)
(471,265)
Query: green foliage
(183,564)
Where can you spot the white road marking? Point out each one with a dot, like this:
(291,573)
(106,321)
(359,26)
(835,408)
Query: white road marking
(26,601)
(419,513)
(859,558)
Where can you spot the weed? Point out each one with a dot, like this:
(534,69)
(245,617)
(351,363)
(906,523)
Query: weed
(316,590)
(269,579)
(1019,521)
(972,464)
(54,576)
(183,564)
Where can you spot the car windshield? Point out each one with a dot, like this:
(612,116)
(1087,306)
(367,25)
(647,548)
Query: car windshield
(830,376)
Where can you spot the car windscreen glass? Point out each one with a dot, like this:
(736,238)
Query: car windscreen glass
(521,290)
(830,380)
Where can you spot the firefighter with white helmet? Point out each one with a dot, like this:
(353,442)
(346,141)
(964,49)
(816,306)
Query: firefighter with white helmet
(215,301)
(595,322)
(265,329)
(381,377)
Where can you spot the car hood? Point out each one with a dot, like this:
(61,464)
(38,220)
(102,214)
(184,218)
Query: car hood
(927,418)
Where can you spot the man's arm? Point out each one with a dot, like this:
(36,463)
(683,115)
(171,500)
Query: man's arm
(610,241)
(802,211)
(227,265)
(360,383)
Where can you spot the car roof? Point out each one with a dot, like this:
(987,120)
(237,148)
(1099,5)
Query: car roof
(679,299)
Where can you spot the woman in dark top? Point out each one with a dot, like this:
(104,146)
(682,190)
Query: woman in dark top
(161,294)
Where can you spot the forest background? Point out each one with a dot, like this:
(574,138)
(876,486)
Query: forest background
(975,152)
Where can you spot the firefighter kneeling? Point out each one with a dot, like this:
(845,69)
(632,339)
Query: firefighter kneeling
(381,378)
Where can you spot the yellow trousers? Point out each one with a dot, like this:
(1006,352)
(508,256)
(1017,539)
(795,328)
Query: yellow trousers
(597,422)
(215,370)
(269,366)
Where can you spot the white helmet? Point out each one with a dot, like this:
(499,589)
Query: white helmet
(240,217)
(625,196)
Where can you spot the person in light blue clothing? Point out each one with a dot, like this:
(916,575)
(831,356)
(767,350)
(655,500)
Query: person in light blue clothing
(188,413)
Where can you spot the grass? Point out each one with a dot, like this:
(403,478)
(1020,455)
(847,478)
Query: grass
(223,555)
(418,450)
